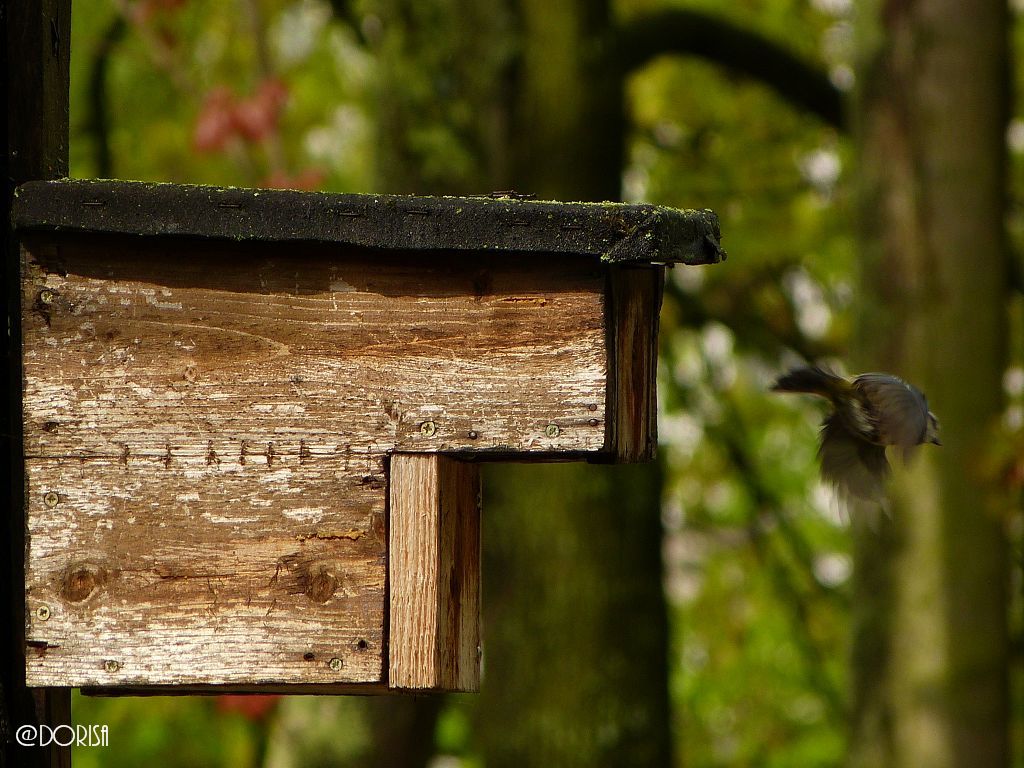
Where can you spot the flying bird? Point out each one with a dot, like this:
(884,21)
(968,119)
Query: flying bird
(872,411)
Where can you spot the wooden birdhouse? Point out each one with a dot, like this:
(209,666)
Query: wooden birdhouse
(253,420)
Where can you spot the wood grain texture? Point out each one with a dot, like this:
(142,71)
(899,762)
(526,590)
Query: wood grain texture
(160,352)
(434,573)
(635,296)
(206,430)
(291,689)
(191,572)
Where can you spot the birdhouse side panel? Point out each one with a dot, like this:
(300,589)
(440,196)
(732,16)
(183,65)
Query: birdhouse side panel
(142,346)
(144,572)
(206,430)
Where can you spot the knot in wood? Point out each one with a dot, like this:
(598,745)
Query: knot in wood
(321,585)
(80,581)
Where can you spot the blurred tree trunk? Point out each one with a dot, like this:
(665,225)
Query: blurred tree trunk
(575,625)
(568,121)
(441,128)
(575,651)
(930,648)
(442,116)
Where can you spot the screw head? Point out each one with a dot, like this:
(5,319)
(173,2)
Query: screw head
(43,612)
(46,296)
(552,430)
(111,666)
(428,428)
(334,664)
(51,499)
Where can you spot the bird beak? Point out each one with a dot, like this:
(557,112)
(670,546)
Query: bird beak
(935,441)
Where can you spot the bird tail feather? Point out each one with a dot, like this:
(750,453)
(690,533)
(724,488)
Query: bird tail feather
(814,380)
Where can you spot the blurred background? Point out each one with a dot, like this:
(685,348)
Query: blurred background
(719,607)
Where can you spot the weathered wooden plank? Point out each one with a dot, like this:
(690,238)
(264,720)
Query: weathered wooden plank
(294,689)
(434,573)
(205,429)
(635,297)
(149,353)
(611,231)
(143,570)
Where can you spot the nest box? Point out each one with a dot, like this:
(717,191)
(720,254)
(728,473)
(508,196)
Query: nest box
(253,420)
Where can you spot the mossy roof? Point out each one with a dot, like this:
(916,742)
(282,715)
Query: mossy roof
(613,232)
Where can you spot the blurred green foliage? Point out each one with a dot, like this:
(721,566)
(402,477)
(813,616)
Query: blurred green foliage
(757,557)
(756,554)
(172,732)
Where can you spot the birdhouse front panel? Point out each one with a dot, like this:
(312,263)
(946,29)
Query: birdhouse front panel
(222,412)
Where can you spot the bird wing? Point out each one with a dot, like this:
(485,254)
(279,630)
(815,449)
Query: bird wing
(855,466)
(899,410)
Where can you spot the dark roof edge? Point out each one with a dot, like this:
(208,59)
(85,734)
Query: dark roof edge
(613,231)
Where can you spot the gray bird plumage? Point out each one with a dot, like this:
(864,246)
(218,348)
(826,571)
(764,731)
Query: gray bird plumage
(873,411)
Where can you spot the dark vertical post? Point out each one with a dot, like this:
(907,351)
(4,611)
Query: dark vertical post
(35,58)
